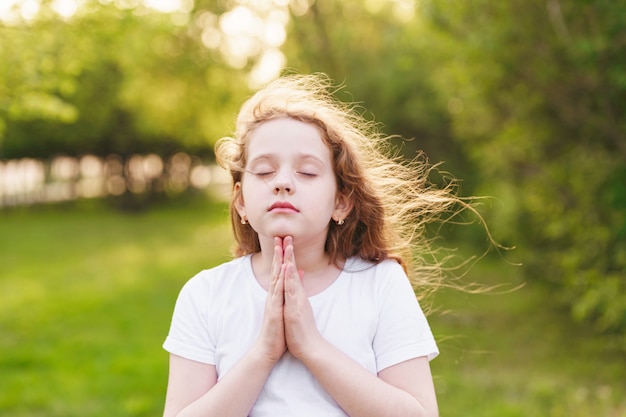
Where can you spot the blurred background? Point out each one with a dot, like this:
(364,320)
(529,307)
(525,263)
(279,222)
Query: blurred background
(110,199)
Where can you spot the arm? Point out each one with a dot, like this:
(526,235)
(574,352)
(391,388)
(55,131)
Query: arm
(193,388)
(188,381)
(405,389)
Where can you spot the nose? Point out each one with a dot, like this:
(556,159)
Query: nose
(283,182)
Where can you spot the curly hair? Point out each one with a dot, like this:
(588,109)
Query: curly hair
(393,198)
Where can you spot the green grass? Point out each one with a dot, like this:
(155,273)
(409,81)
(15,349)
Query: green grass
(86,296)
(515,353)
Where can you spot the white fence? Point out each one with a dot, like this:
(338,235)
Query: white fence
(30,181)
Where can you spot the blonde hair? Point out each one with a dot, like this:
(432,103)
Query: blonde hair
(393,198)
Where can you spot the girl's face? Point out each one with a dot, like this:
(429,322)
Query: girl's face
(289,185)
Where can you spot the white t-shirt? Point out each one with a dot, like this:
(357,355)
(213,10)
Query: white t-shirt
(370,313)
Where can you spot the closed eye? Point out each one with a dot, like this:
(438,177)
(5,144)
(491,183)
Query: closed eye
(307,174)
(263,174)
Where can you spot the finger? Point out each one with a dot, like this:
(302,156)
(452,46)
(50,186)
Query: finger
(293,282)
(279,284)
(288,252)
(277,260)
(293,277)
(279,288)
(290,282)
(278,242)
(276,294)
(278,249)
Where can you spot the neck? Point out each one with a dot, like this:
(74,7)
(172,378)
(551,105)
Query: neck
(310,256)
(310,259)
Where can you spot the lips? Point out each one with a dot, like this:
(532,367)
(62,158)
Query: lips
(282,206)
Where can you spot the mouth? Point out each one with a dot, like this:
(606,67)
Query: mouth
(282,206)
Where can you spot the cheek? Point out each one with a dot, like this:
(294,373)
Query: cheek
(252,188)
(253,194)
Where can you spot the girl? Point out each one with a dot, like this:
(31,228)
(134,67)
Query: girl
(315,316)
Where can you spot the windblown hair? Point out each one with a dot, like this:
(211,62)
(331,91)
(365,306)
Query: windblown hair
(394,201)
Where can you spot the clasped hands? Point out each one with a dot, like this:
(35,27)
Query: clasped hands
(288,323)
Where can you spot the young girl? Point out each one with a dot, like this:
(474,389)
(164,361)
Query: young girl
(315,316)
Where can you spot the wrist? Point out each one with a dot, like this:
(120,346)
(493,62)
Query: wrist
(262,356)
(314,351)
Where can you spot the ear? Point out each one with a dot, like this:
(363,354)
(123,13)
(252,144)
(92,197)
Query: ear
(238,200)
(343,207)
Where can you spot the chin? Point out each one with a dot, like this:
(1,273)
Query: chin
(282,232)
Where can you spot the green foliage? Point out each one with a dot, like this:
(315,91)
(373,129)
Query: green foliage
(386,63)
(111,80)
(539,87)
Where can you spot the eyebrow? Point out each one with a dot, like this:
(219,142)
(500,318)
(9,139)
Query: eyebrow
(301,156)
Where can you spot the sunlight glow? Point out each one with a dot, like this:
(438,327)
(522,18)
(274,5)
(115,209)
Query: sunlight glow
(6,6)
(126,4)
(211,37)
(267,68)
(240,21)
(8,12)
(15,12)
(274,33)
(251,32)
(65,8)
(29,9)
(403,10)
(170,6)
(241,27)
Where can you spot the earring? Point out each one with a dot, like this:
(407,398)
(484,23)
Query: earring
(244,220)
(340,222)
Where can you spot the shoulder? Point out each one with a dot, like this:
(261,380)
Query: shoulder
(225,274)
(382,278)
(387,269)
(356,263)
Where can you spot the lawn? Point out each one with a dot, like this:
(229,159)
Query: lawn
(86,296)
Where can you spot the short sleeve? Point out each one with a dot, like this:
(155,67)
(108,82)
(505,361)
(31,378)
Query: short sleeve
(189,334)
(403,332)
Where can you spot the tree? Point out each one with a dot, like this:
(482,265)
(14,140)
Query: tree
(385,61)
(109,79)
(539,86)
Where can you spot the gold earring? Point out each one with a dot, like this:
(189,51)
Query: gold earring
(340,222)
(244,220)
